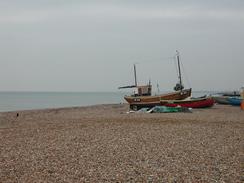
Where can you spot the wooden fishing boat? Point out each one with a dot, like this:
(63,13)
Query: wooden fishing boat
(137,102)
(189,103)
(144,97)
(235,101)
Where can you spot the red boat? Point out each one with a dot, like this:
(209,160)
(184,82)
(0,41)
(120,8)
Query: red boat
(190,103)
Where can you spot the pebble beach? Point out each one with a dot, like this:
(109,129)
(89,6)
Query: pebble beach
(103,143)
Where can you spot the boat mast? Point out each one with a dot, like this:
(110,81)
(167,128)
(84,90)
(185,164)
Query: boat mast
(178,60)
(135,75)
(131,86)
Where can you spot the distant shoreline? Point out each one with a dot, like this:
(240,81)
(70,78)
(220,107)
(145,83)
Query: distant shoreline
(18,101)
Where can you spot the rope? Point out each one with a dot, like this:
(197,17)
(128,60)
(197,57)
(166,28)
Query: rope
(176,67)
(186,76)
(150,60)
(160,59)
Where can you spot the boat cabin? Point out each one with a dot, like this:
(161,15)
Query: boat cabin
(145,90)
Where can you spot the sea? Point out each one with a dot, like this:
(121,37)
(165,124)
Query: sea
(15,101)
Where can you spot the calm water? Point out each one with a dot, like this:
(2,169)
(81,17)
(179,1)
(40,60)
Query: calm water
(13,101)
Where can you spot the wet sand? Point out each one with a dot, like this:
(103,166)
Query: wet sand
(104,144)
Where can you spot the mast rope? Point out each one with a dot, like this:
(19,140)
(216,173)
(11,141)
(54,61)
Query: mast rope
(186,76)
(160,59)
(150,60)
(176,67)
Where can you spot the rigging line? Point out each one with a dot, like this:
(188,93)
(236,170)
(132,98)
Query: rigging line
(155,60)
(176,67)
(149,58)
(186,76)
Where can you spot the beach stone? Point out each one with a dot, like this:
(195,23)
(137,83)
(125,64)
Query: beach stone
(104,144)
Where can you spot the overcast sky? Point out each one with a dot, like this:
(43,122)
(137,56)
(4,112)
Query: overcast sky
(77,45)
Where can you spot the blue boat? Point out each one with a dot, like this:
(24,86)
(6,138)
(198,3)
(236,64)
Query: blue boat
(235,101)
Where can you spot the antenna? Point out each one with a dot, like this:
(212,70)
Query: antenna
(178,60)
(135,75)
(158,88)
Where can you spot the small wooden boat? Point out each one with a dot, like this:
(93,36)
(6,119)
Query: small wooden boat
(190,103)
(221,99)
(235,101)
(138,102)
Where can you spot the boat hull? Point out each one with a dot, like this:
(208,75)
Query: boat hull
(235,101)
(191,103)
(221,99)
(151,100)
